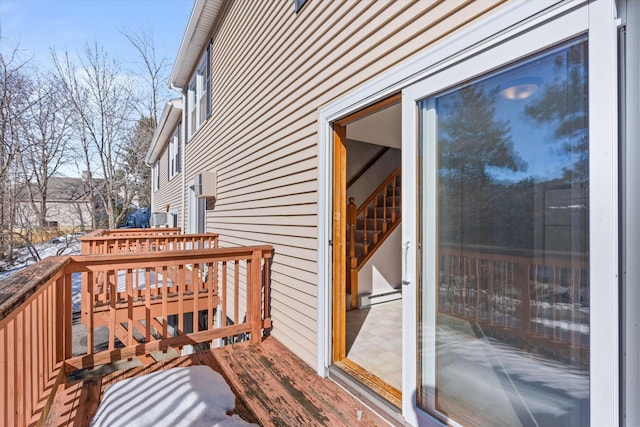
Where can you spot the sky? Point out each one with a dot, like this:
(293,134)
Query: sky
(38,25)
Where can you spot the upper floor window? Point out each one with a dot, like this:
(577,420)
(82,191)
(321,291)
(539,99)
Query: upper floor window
(174,153)
(155,176)
(199,94)
(298,4)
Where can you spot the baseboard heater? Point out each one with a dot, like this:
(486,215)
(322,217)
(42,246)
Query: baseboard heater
(368,300)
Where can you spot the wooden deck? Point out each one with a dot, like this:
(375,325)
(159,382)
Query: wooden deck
(272,387)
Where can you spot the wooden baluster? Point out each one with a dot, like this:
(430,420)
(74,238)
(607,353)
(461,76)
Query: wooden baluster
(210,292)
(365,244)
(490,266)
(385,193)
(112,283)
(393,200)
(182,279)
(535,297)
(455,267)
(223,303)
(163,277)
(88,308)
(478,291)
(524,283)
(147,303)
(555,285)
(465,284)
(505,279)
(195,290)
(375,219)
(351,239)
(236,292)
(129,284)
(574,295)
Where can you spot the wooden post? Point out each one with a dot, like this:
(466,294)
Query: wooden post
(254,303)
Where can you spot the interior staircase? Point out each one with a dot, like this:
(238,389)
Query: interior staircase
(369,224)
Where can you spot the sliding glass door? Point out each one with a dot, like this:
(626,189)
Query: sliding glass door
(510,308)
(515,261)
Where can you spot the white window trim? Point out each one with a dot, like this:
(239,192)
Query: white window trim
(155,176)
(512,19)
(196,95)
(174,149)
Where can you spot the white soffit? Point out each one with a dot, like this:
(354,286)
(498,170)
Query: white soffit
(164,130)
(194,40)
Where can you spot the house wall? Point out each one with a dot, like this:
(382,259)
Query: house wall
(272,70)
(382,273)
(168,193)
(76,215)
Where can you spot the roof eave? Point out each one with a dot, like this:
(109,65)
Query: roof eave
(170,117)
(203,16)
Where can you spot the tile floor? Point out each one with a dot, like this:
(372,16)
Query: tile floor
(374,340)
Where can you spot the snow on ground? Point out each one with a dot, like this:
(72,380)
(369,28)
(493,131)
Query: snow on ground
(64,245)
(193,396)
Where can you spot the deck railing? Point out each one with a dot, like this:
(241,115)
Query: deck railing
(540,300)
(116,242)
(113,232)
(150,302)
(32,340)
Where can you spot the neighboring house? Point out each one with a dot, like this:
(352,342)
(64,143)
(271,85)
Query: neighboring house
(506,268)
(166,160)
(68,204)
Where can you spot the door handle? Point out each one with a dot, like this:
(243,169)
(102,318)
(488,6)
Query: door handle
(406,277)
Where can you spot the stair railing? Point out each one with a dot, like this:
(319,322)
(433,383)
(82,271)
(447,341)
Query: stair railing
(365,212)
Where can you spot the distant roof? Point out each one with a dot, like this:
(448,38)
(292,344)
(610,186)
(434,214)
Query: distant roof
(170,118)
(195,38)
(60,189)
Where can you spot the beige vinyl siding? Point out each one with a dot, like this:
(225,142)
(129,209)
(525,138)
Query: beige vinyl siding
(169,191)
(272,70)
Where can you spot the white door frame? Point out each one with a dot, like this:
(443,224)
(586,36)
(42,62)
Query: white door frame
(195,208)
(499,27)
(597,20)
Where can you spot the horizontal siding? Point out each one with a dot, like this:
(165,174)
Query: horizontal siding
(169,191)
(272,71)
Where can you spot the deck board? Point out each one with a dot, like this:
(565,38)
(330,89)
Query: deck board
(272,386)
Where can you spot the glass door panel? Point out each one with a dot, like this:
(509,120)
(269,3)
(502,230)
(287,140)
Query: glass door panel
(505,326)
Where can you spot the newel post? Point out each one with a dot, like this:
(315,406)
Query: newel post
(255,297)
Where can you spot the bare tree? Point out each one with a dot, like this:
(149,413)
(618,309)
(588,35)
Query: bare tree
(135,167)
(152,67)
(46,133)
(15,87)
(103,103)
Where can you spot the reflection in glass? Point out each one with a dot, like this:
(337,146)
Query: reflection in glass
(512,319)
